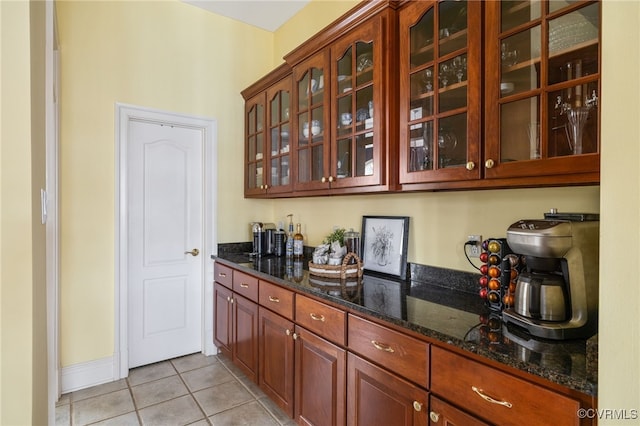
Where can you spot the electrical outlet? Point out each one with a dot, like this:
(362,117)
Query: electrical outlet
(475,249)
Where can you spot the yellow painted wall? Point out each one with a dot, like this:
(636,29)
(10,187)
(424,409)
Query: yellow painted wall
(23,357)
(619,337)
(313,18)
(164,55)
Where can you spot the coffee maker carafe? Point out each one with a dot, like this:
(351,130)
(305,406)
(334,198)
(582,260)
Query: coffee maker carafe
(557,296)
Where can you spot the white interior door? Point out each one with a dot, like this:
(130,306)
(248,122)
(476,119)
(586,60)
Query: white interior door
(165,223)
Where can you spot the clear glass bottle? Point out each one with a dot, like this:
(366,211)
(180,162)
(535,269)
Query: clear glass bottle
(289,242)
(298,242)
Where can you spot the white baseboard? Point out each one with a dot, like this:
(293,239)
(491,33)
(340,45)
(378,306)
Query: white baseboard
(87,374)
(99,371)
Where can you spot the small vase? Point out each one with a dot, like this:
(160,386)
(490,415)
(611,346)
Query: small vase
(383,257)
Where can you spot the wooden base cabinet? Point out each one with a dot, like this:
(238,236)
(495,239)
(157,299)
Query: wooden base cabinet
(245,336)
(236,329)
(276,359)
(444,414)
(496,396)
(223,319)
(378,397)
(320,380)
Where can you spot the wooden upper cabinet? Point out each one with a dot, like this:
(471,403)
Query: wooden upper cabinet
(279,137)
(255,145)
(358,115)
(267,134)
(431,95)
(440,91)
(342,105)
(542,91)
(311,146)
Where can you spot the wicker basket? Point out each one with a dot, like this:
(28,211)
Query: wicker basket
(338,271)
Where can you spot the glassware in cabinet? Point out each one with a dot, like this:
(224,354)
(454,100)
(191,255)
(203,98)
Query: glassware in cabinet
(279,115)
(311,145)
(255,130)
(543,105)
(357,63)
(439,91)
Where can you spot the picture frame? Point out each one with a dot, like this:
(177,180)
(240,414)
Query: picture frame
(384,244)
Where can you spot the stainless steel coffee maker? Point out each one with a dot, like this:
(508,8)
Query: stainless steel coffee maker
(556,296)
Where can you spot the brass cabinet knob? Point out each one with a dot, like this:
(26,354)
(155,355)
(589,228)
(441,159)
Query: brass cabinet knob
(489,163)
(417,406)
(434,416)
(295,336)
(287,332)
(323,180)
(471,165)
(228,299)
(266,187)
(330,178)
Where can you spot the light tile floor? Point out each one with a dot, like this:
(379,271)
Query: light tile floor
(190,390)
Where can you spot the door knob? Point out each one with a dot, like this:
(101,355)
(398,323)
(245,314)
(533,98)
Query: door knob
(193,252)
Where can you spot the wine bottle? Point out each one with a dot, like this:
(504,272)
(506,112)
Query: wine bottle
(298,242)
(289,243)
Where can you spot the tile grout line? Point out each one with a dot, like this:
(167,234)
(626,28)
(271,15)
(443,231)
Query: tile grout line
(136,409)
(206,418)
(255,398)
(133,400)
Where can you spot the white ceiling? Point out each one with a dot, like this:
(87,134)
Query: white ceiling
(265,14)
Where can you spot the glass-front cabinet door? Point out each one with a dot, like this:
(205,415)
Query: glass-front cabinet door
(542,89)
(311,123)
(440,91)
(358,114)
(279,137)
(255,140)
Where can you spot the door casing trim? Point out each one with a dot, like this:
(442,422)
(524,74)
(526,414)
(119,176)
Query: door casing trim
(124,113)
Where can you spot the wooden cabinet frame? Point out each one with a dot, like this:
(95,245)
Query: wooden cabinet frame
(482,170)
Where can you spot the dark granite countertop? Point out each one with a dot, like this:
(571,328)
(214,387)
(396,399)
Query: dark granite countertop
(435,304)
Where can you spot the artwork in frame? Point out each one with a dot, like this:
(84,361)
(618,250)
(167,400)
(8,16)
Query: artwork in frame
(384,244)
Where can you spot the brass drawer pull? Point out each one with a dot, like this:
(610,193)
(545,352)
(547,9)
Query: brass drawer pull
(316,317)
(382,346)
(489,399)
(222,274)
(274,299)
(244,285)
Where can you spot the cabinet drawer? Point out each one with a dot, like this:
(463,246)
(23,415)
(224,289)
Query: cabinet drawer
(277,299)
(324,320)
(496,396)
(223,275)
(404,355)
(245,285)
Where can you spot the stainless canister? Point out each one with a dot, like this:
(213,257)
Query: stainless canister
(279,243)
(269,243)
